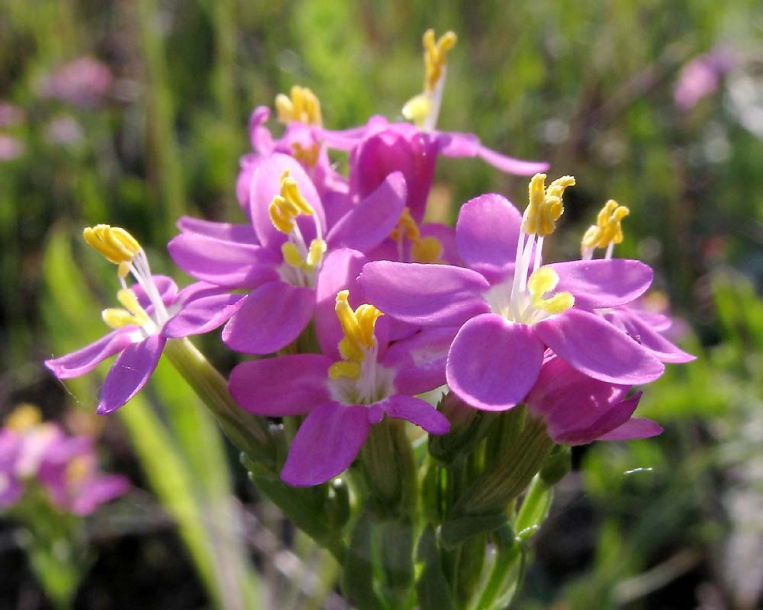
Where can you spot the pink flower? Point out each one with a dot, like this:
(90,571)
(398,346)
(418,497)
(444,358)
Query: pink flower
(701,77)
(83,82)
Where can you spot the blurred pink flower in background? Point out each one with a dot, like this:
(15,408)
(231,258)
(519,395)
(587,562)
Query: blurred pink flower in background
(10,114)
(701,77)
(10,148)
(64,130)
(83,82)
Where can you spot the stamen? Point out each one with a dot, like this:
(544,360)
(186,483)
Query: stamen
(406,227)
(423,109)
(423,249)
(435,57)
(546,205)
(607,231)
(132,314)
(114,243)
(542,281)
(303,107)
(427,250)
(306,155)
(288,205)
(358,326)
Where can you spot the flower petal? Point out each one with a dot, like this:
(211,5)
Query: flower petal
(225,231)
(603,282)
(420,360)
(223,263)
(493,363)
(487,231)
(598,349)
(87,358)
(270,318)
(129,373)
(636,427)
(417,412)
(639,330)
(286,385)
(372,220)
(456,144)
(326,444)
(203,314)
(435,295)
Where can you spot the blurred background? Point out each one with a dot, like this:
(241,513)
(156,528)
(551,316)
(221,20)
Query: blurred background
(133,113)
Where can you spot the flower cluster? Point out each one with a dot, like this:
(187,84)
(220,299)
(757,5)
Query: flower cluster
(366,306)
(64,467)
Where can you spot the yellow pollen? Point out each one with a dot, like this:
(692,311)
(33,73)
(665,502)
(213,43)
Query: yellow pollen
(313,259)
(306,155)
(77,469)
(427,250)
(417,109)
(114,243)
(406,227)
(358,326)
(300,106)
(435,57)
(23,418)
(607,229)
(289,204)
(546,204)
(542,281)
(132,314)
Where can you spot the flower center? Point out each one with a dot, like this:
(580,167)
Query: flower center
(300,106)
(423,109)
(358,378)
(302,260)
(524,298)
(122,249)
(606,232)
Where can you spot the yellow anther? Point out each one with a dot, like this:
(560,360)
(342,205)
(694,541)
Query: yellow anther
(435,57)
(78,469)
(131,312)
(114,243)
(427,250)
(301,106)
(607,229)
(343,368)
(542,281)
(23,418)
(406,227)
(306,155)
(293,257)
(289,204)
(546,204)
(358,327)
(417,109)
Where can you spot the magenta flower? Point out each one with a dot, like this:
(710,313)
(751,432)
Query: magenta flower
(83,82)
(701,77)
(509,308)
(280,260)
(69,474)
(579,410)
(353,384)
(152,312)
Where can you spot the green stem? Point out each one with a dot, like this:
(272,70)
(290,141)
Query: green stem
(249,433)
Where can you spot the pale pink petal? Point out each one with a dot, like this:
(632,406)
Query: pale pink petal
(129,373)
(437,295)
(325,445)
(286,385)
(596,348)
(603,282)
(417,412)
(86,359)
(493,363)
(636,427)
(203,314)
(271,317)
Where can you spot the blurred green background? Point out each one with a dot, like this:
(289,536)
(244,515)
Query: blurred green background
(591,86)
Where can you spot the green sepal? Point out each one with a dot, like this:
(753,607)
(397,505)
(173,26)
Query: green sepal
(394,541)
(468,426)
(455,531)
(534,509)
(358,569)
(558,465)
(432,587)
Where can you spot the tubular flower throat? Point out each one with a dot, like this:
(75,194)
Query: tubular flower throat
(423,249)
(525,301)
(300,106)
(423,109)
(297,254)
(122,249)
(606,232)
(358,378)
